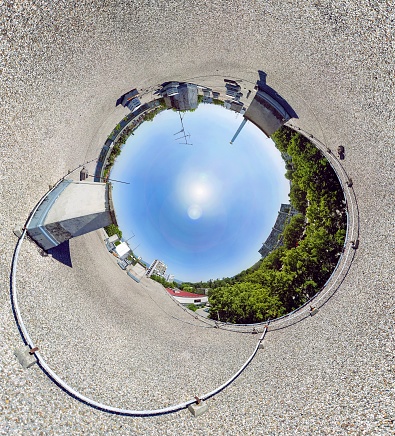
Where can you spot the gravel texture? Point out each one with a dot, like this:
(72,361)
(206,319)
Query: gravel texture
(63,66)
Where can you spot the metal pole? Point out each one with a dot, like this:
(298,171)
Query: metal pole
(130,237)
(238,130)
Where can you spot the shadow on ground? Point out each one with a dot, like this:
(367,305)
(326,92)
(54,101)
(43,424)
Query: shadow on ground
(61,253)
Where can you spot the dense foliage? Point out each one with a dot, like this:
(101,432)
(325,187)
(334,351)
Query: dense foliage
(149,116)
(112,229)
(192,307)
(163,281)
(312,242)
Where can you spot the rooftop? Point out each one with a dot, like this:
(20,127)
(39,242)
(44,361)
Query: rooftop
(179,293)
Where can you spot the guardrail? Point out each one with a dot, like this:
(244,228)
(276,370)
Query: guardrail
(289,319)
(70,390)
(342,266)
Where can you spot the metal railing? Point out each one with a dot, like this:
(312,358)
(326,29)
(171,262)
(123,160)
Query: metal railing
(70,390)
(342,266)
(323,295)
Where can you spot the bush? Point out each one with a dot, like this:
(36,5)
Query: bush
(293,231)
(163,282)
(192,307)
(112,229)
(293,273)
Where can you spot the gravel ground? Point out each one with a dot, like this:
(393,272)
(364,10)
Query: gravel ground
(63,67)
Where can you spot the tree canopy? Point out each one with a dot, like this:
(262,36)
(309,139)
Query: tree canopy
(163,281)
(112,229)
(312,242)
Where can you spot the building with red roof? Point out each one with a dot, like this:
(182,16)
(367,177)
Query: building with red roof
(187,297)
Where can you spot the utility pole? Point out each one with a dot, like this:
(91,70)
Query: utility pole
(238,130)
(130,237)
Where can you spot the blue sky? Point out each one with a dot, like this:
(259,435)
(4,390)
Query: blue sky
(203,209)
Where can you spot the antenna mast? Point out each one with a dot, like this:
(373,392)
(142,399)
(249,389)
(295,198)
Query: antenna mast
(184,135)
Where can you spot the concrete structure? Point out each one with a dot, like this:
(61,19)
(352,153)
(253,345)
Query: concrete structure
(71,209)
(233,90)
(268,110)
(198,409)
(184,99)
(25,356)
(136,272)
(207,98)
(266,113)
(157,267)
(125,99)
(235,106)
(128,345)
(133,104)
(113,238)
(169,89)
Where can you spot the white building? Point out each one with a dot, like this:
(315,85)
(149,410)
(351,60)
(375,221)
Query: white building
(158,268)
(170,278)
(187,297)
(123,250)
(136,272)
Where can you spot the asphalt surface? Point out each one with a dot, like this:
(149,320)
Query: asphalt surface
(64,66)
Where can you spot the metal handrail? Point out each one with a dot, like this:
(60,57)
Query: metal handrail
(73,392)
(344,257)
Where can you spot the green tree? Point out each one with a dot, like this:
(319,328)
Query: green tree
(164,282)
(244,303)
(293,231)
(112,229)
(313,240)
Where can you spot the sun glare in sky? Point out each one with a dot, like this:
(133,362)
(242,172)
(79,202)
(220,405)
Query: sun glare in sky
(199,192)
(203,209)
